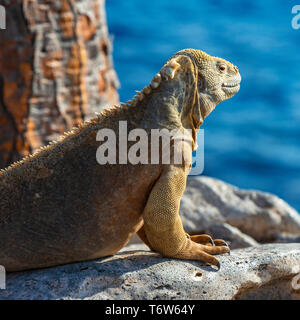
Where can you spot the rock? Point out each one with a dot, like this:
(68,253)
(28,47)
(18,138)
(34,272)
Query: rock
(234,237)
(261,272)
(212,206)
(287,238)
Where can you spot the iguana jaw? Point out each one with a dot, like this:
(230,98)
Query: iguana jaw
(231,84)
(232,87)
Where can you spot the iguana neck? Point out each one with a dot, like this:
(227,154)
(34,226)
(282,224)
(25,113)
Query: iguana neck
(206,105)
(163,110)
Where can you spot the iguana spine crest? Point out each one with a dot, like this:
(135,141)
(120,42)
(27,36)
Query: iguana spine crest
(169,68)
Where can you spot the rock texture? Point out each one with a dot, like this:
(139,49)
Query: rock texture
(56,70)
(260,272)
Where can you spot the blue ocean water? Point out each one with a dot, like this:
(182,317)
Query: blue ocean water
(253,139)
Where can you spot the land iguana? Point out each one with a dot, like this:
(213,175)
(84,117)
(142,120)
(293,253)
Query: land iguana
(59,205)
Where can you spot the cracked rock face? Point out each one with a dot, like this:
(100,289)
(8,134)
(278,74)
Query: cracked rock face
(262,272)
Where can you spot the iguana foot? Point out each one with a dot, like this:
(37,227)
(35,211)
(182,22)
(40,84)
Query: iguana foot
(220,242)
(207,240)
(202,239)
(195,250)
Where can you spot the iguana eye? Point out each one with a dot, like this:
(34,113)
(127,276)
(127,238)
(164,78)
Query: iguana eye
(222,67)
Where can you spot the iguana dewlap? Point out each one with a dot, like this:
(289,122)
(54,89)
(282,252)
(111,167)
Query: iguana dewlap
(60,205)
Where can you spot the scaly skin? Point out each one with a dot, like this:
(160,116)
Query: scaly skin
(60,206)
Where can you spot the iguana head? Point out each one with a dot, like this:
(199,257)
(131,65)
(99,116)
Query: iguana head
(192,83)
(214,79)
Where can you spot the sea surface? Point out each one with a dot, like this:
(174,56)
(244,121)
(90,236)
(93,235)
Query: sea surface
(253,139)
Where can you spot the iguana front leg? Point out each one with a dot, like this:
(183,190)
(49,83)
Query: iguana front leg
(142,235)
(162,224)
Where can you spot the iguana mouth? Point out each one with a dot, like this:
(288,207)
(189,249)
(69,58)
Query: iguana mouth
(231,87)
(231,84)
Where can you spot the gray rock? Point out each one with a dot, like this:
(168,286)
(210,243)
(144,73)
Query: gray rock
(287,238)
(208,203)
(260,272)
(234,237)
